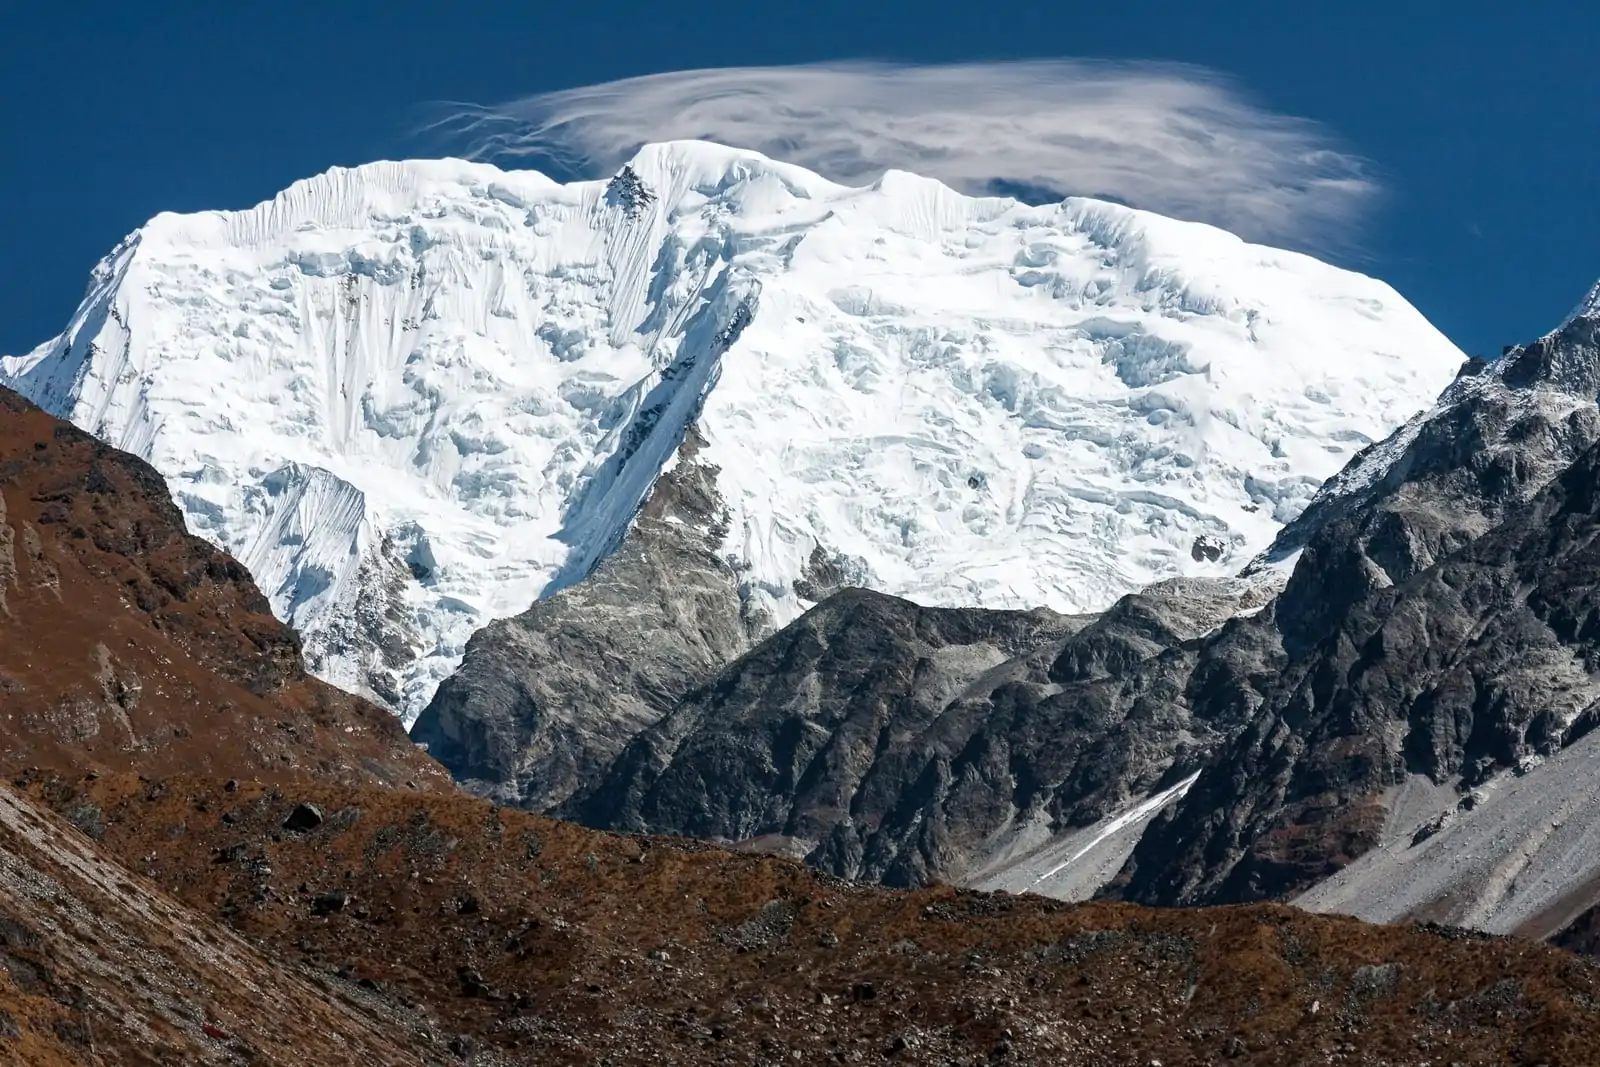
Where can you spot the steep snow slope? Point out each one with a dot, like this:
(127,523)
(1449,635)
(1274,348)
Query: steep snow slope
(415,396)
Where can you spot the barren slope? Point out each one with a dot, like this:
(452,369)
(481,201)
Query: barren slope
(541,943)
(97,966)
(127,644)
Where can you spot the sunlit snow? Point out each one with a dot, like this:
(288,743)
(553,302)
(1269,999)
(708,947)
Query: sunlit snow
(443,387)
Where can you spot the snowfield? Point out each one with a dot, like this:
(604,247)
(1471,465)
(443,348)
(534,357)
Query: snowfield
(412,397)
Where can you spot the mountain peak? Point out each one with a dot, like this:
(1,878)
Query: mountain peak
(415,396)
(1588,307)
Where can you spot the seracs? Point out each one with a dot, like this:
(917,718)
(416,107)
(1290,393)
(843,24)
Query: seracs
(415,396)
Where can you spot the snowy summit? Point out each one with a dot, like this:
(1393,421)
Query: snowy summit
(412,397)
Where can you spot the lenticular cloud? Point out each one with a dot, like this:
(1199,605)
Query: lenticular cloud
(1176,140)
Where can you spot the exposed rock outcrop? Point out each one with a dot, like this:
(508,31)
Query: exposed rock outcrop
(1436,624)
(891,742)
(544,701)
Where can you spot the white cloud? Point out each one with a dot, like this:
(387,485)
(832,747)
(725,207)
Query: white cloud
(1173,139)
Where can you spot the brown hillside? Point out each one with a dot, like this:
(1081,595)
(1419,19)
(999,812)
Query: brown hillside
(539,942)
(98,967)
(127,644)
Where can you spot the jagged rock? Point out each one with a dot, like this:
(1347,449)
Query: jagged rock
(629,191)
(545,700)
(892,742)
(828,572)
(1436,624)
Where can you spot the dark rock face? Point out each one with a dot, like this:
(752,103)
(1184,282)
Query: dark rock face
(628,191)
(1489,657)
(1491,442)
(545,700)
(891,742)
(1438,622)
(780,742)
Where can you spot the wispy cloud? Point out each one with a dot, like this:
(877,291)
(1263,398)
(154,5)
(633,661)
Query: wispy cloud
(1175,139)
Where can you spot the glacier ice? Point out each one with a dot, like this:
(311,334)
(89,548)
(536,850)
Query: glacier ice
(415,396)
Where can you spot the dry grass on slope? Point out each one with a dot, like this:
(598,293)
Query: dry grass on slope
(127,644)
(97,966)
(533,941)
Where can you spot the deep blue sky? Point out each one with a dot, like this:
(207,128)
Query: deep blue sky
(1483,121)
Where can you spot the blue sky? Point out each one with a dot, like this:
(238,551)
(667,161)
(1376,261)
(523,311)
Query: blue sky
(1478,122)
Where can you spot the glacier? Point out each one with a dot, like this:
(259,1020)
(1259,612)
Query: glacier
(412,397)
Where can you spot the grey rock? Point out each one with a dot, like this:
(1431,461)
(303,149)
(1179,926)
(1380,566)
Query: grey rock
(1436,623)
(88,818)
(304,818)
(1376,980)
(377,630)
(828,572)
(892,742)
(544,701)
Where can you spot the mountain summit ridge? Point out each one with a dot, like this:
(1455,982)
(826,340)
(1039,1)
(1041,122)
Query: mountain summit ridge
(414,397)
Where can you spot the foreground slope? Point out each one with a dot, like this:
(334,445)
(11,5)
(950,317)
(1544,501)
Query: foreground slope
(515,939)
(413,397)
(127,644)
(97,966)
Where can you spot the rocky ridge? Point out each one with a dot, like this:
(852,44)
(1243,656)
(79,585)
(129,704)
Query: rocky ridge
(895,743)
(546,700)
(1422,622)
(127,644)
(1436,631)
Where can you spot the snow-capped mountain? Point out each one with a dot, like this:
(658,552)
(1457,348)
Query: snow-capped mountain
(412,397)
